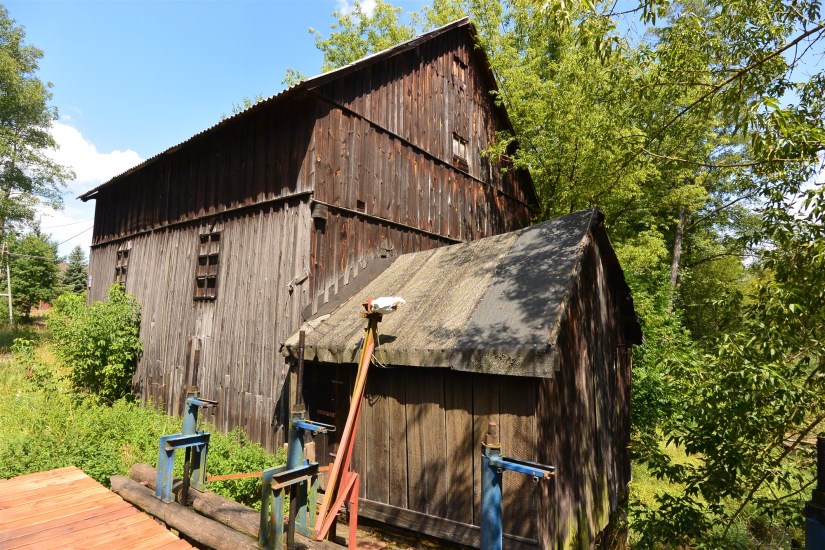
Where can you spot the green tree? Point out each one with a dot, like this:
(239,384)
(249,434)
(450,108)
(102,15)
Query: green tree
(28,177)
(34,271)
(76,276)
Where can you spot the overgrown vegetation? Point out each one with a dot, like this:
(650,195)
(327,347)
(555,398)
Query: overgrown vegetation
(98,343)
(47,425)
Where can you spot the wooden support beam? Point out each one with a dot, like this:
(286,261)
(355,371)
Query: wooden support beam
(227,511)
(193,525)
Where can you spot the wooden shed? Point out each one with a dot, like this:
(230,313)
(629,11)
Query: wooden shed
(531,329)
(231,239)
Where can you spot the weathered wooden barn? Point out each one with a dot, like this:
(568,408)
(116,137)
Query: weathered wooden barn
(531,329)
(232,238)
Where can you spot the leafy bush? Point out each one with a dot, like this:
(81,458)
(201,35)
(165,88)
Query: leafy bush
(98,342)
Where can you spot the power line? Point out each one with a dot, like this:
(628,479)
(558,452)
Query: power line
(66,224)
(79,234)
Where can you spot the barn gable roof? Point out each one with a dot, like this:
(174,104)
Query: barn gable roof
(494,305)
(315,82)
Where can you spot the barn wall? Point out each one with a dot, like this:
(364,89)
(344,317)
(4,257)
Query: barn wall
(385,197)
(233,340)
(375,155)
(418,444)
(425,96)
(251,161)
(583,426)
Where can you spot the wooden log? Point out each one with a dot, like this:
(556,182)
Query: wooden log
(227,511)
(198,528)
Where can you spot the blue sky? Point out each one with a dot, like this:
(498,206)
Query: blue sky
(134,78)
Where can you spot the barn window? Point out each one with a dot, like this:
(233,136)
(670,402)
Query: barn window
(206,276)
(122,263)
(460,152)
(459,72)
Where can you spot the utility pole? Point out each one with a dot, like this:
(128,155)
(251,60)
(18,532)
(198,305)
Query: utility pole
(7,259)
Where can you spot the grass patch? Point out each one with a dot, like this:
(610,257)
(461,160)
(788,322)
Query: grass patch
(45,426)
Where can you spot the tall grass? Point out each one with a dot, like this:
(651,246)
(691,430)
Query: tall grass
(46,426)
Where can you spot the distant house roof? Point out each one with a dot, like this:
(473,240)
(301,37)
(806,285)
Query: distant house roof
(316,82)
(493,305)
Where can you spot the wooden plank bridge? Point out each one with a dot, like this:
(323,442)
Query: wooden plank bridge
(65,508)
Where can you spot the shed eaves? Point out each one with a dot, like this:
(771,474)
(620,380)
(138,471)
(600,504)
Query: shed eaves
(493,305)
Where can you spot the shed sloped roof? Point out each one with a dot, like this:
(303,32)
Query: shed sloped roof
(493,305)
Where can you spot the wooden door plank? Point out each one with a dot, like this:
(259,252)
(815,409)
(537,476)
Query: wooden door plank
(458,405)
(518,439)
(485,410)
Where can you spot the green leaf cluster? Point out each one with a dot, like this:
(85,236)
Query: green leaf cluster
(99,342)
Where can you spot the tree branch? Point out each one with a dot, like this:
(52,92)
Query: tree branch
(755,487)
(712,165)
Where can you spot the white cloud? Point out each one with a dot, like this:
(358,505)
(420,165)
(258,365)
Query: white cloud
(91,167)
(73,225)
(347,8)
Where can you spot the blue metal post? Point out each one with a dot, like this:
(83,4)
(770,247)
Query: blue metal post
(491,528)
(300,477)
(492,468)
(298,492)
(815,508)
(196,443)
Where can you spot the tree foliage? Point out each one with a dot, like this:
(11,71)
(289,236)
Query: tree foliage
(34,271)
(75,278)
(99,342)
(28,176)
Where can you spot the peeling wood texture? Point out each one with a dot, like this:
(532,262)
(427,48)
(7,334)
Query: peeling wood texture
(307,188)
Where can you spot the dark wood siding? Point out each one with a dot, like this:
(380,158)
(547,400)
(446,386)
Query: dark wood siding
(385,196)
(250,162)
(232,341)
(418,444)
(583,415)
(424,96)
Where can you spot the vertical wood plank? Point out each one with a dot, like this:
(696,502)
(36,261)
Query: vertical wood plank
(458,405)
(485,410)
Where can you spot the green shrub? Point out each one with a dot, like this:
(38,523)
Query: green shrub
(99,342)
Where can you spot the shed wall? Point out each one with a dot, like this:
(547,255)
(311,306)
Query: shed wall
(583,426)
(418,444)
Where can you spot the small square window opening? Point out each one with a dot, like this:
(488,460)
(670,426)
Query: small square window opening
(206,274)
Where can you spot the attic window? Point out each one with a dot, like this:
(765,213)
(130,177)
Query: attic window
(122,263)
(206,275)
(460,153)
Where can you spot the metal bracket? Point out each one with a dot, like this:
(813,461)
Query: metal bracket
(196,444)
(493,466)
